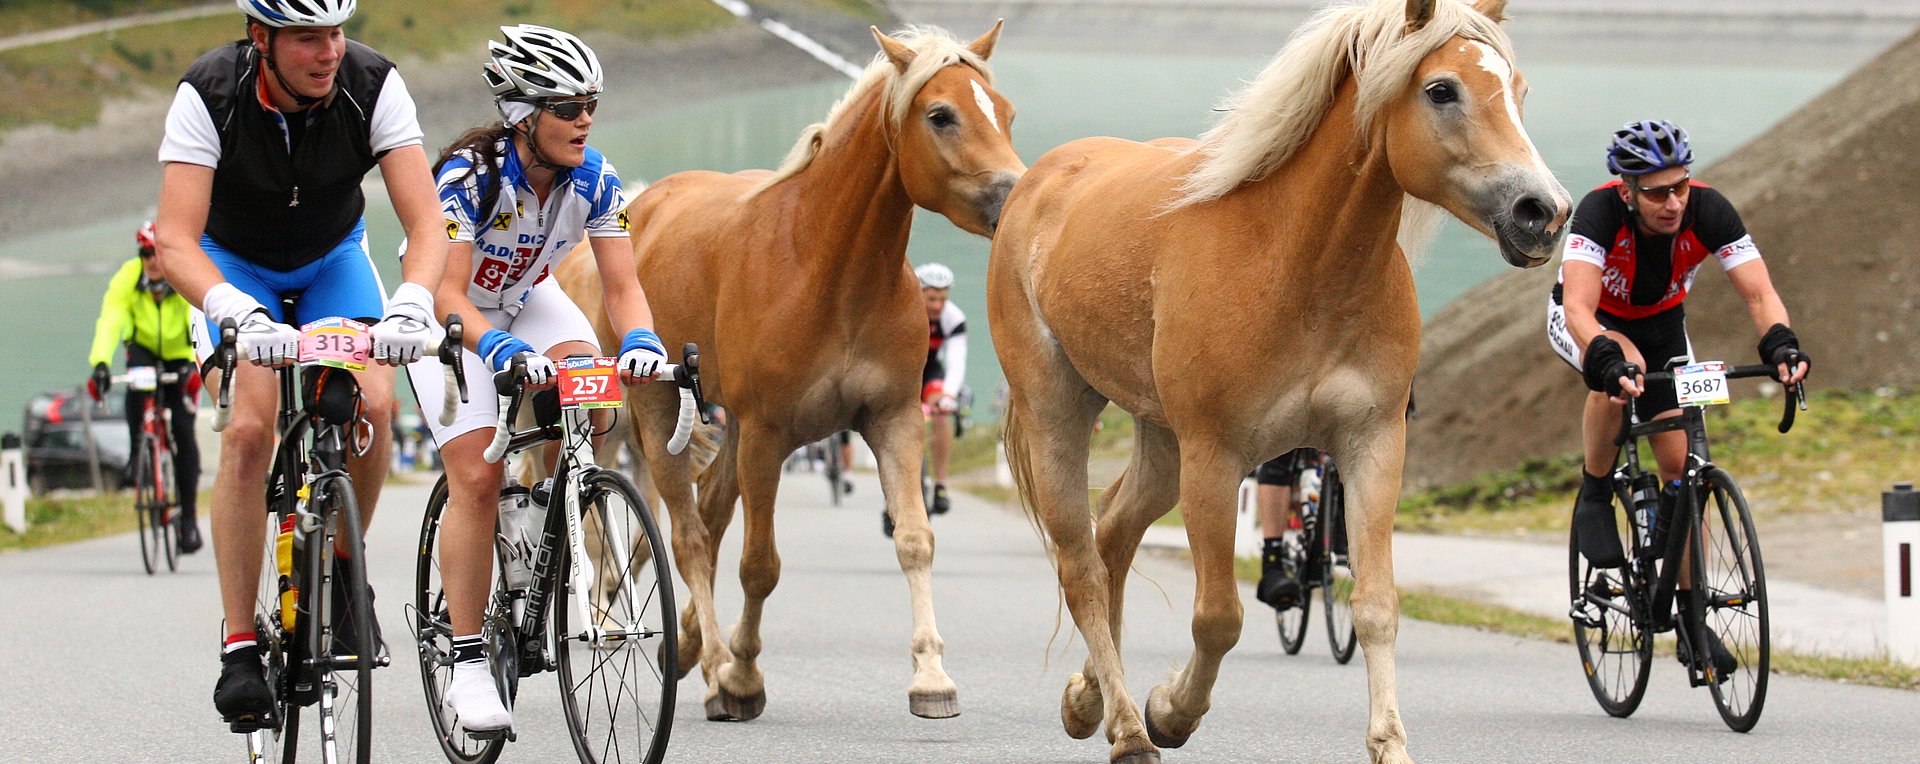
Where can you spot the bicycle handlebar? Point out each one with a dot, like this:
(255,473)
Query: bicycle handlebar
(510,383)
(1796,394)
(228,355)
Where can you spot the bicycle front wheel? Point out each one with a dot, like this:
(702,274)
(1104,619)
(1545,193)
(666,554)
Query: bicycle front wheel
(617,697)
(1293,620)
(433,634)
(165,500)
(1336,568)
(345,634)
(1726,557)
(1615,643)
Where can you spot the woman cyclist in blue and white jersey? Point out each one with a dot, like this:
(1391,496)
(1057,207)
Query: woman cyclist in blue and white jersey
(517,197)
(266,145)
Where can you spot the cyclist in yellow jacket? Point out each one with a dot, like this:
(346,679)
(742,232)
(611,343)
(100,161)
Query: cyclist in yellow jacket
(141,311)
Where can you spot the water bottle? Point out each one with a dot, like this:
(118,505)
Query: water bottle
(516,504)
(1646,507)
(283,563)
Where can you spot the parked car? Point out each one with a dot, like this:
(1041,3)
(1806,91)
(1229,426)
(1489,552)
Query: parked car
(56,440)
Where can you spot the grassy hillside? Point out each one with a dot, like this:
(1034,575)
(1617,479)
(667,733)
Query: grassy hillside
(66,84)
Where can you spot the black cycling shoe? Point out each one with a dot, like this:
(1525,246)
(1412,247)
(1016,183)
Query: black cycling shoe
(187,536)
(940,501)
(1724,664)
(242,697)
(886,523)
(345,633)
(1278,587)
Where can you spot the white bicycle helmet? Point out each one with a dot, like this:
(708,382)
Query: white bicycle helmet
(298,13)
(934,276)
(539,62)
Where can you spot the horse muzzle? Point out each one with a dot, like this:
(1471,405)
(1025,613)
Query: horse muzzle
(992,197)
(1529,223)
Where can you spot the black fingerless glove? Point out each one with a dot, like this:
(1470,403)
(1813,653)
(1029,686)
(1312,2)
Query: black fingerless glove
(1780,345)
(1604,364)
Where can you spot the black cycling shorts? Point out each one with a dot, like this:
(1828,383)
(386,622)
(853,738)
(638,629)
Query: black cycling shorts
(1660,338)
(1283,469)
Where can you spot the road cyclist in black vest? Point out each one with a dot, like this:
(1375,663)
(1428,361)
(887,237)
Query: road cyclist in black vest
(266,145)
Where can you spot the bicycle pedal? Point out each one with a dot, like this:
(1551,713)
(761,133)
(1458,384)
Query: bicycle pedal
(250,723)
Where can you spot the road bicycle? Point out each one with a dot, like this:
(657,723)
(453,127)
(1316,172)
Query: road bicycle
(313,614)
(961,416)
(155,501)
(586,591)
(1318,555)
(1691,545)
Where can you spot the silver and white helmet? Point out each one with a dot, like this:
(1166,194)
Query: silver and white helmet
(934,276)
(298,13)
(540,62)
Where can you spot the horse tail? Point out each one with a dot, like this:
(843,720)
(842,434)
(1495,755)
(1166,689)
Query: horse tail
(1020,463)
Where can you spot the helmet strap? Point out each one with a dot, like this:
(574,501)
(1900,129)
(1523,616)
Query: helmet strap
(533,145)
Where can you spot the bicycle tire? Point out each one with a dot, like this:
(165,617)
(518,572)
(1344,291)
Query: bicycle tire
(1292,621)
(1727,557)
(1616,648)
(433,634)
(1336,566)
(834,468)
(275,743)
(143,506)
(648,606)
(165,501)
(346,694)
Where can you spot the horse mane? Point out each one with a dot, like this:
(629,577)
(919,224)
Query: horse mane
(1268,121)
(934,49)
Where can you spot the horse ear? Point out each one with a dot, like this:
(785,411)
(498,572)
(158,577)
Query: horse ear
(1419,12)
(897,52)
(1493,9)
(983,47)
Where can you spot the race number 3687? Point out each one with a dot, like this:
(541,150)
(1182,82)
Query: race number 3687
(1701,384)
(589,383)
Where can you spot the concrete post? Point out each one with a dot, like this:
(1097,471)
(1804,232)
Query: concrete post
(1900,513)
(1247,537)
(13,484)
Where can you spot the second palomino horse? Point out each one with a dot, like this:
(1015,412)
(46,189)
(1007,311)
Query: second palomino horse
(1243,295)
(796,286)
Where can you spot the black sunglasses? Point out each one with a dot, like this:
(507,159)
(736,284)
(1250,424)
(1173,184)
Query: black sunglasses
(570,110)
(1659,194)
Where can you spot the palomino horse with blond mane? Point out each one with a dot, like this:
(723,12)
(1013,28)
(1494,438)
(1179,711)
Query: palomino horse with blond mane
(1244,295)
(796,286)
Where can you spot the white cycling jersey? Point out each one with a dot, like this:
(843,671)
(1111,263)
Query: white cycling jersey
(517,242)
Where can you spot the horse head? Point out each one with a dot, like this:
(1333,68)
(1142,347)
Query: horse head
(1453,136)
(953,136)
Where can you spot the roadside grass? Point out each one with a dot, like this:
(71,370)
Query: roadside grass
(28,16)
(76,518)
(1843,451)
(66,84)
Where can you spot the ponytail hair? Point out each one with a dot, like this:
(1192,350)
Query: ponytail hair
(483,143)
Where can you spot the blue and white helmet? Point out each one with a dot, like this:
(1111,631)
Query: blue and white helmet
(1648,145)
(934,276)
(298,13)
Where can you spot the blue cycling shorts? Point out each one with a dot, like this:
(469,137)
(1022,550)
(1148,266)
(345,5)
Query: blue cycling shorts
(341,283)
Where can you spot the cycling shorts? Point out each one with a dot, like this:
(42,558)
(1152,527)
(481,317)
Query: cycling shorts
(1659,337)
(342,283)
(1283,469)
(545,320)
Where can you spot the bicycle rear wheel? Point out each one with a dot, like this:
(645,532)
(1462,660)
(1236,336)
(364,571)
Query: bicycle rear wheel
(433,634)
(145,500)
(1293,620)
(1336,568)
(345,643)
(165,501)
(1727,559)
(618,699)
(1615,643)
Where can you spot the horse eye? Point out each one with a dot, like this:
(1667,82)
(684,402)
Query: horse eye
(1442,92)
(941,118)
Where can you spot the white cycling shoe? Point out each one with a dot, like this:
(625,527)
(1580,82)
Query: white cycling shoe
(473,703)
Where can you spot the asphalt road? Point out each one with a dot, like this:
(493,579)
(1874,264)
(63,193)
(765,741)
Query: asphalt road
(104,664)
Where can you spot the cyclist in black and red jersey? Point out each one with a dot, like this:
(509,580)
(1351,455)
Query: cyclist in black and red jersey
(1636,244)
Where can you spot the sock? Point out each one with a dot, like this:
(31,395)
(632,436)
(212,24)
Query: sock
(1594,486)
(239,641)
(468,649)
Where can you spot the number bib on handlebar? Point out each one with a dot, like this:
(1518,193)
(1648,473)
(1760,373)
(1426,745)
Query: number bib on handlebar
(1701,384)
(143,378)
(589,383)
(341,343)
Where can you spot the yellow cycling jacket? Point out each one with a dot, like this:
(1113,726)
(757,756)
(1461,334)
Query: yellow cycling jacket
(128,312)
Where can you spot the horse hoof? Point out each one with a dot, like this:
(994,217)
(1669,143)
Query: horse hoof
(728,707)
(1158,706)
(934,705)
(1080,722)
